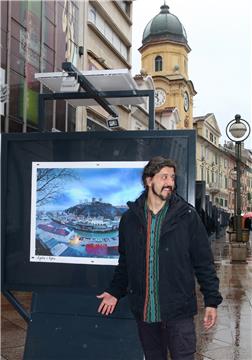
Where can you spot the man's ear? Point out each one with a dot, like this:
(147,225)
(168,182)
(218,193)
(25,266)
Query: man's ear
(148,181)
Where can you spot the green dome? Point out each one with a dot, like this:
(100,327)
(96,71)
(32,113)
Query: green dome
(164,26)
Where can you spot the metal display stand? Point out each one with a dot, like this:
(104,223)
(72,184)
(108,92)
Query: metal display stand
(75,331)
(88,91)
(66,325)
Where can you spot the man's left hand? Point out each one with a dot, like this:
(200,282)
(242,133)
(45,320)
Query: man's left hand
(210,317)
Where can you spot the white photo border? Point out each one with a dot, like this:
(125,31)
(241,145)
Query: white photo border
(70,165)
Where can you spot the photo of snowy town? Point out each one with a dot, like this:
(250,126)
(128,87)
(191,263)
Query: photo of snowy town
(76,209)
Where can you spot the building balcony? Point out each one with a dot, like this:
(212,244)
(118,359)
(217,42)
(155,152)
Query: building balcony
(214,188)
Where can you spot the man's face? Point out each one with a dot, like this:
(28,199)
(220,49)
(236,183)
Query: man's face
(162,184)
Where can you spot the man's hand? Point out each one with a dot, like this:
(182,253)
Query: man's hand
(210,317)
(108,303)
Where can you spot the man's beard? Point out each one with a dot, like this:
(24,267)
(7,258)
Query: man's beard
(163,198)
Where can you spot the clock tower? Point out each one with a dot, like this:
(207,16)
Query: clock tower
(164,53)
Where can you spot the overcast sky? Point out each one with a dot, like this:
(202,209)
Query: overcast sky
(114,185)
(219,34)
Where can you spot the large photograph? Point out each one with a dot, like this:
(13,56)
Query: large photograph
(76,208)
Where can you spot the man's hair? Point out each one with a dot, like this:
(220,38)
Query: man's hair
(154,166)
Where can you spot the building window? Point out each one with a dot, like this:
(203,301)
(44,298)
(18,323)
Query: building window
(125,6)
(211,137)
(16,97)
(108,33)
(202,153)
(202,173)
(207,154)
(207,133)
(92,15)
(158,63)
(94,126)
(71,118)
(96,19)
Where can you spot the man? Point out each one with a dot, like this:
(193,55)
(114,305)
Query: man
(162,245)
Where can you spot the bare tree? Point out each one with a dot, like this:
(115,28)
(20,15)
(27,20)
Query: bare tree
(49,182)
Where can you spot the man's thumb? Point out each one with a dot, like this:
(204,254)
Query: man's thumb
(100,296)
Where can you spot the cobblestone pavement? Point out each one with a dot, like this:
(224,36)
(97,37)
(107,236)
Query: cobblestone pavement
(230,339)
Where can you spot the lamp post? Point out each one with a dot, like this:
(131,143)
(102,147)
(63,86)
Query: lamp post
(238,130)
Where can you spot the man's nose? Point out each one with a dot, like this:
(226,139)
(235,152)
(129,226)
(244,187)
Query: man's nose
(170,181)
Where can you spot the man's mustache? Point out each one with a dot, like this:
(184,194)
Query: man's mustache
(167,187)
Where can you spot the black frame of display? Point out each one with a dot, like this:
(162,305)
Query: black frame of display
(56,143)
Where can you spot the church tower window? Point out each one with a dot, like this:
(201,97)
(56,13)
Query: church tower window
(158,63)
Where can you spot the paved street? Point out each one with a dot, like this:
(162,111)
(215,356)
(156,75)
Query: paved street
(229,340)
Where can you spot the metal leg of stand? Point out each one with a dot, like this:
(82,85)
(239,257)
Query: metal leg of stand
(11,298)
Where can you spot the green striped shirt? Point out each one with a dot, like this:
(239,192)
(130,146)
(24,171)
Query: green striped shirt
(154,223)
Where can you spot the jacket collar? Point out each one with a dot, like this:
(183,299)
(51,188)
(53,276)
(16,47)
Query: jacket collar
(177,208)
(138,207)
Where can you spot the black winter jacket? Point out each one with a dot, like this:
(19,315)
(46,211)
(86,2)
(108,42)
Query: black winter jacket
(184,252)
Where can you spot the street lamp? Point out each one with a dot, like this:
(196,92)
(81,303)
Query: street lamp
(238,130)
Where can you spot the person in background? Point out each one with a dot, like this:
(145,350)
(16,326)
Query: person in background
(163,245)
(231,222)
(247,223)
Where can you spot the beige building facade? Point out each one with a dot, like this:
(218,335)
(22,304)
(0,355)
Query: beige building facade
(106,35)
(216,166)
(246,174)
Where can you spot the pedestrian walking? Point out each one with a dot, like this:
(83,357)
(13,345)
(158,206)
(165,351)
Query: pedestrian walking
(163,245)
(248,223)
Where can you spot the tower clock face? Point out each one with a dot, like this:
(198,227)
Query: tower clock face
(160,97)
(186,101)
